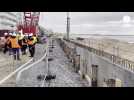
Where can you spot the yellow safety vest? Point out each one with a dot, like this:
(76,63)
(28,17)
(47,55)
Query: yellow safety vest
(34,39)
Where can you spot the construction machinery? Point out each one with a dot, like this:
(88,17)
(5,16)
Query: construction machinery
(30,23)
(27,26)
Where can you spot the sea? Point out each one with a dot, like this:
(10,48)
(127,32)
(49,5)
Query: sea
(124,38)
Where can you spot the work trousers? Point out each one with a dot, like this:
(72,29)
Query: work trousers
(10,51)
(32,50)
(23,49)
(16,53)
(5,48)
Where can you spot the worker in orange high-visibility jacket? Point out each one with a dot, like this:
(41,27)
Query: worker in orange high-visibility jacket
(15,46)
(31,45)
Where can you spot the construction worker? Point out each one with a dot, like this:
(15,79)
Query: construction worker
(31,45)
(34,42)
(20,37)
(15,46)
(34,38)
(9,44)
(24,45)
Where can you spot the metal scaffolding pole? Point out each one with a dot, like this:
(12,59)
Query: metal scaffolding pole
(68,25)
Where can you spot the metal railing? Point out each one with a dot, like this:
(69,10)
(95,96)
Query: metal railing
(124,63)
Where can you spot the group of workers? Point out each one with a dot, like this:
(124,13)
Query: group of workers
(15,41)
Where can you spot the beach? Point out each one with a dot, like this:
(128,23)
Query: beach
(117,45)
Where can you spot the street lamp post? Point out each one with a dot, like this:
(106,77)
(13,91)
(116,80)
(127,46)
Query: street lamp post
(68,25)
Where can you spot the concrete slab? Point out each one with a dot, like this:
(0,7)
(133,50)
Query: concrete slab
(59,66)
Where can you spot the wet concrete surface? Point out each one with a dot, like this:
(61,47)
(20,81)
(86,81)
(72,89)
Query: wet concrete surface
(59,66)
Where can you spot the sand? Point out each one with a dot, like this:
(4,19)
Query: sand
(122,49)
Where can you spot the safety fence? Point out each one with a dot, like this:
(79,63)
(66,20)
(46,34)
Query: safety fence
(70,52)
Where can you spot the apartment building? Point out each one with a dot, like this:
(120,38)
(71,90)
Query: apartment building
(9,20)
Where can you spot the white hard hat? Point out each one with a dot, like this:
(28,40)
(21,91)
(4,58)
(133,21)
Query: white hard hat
(5,33)
(10,33)
(13,34)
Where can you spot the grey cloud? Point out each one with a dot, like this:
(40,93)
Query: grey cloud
(88,22)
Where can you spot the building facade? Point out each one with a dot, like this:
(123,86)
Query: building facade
(9,20)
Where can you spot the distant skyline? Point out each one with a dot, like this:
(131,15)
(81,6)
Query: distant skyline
(90,22)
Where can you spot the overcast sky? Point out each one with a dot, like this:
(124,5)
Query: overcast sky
(90,22)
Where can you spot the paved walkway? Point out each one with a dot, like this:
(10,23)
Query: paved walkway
(8,65)
(59,66)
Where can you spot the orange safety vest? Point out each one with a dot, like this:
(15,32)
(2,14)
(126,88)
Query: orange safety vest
(30,42)
(14,43)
